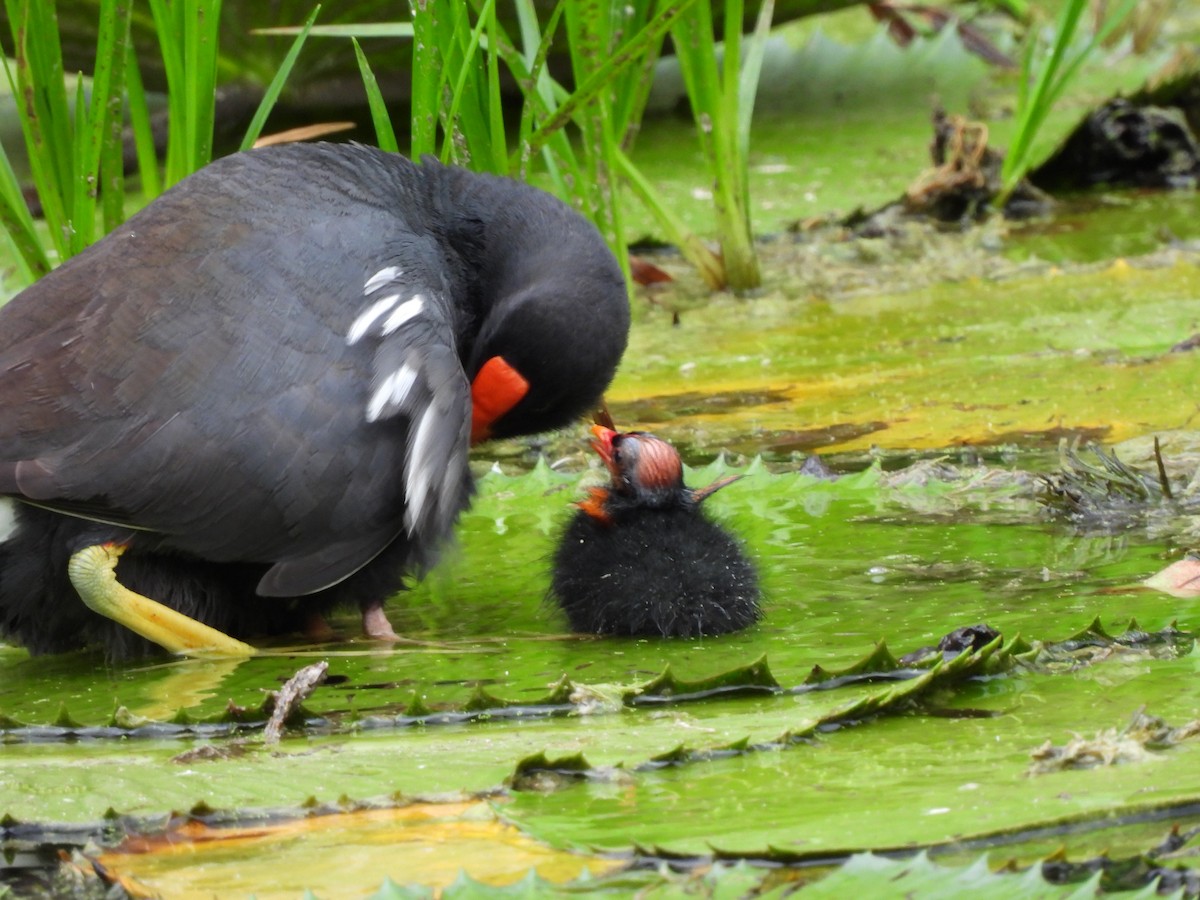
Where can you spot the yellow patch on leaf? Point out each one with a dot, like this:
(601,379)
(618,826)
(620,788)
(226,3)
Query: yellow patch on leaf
(341,854)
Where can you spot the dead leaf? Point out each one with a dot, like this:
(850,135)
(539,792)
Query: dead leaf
(1180,579)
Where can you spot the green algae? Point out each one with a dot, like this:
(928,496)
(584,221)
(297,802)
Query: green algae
(1017,361)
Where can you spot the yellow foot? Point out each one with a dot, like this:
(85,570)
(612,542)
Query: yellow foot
(93,572)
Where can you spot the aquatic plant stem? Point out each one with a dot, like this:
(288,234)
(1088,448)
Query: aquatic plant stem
(716,95)
(694,250)
(1043,83)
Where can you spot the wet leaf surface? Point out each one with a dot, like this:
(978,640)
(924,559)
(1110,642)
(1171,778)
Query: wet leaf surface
(829,746)
(1085,355)
(370,845)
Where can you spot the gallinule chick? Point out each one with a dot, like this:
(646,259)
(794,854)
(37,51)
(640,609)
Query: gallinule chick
(262,388)
(640,556)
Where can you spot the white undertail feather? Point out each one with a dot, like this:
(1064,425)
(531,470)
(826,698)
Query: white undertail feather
(419,477)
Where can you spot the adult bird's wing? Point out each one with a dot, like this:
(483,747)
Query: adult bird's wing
(245,384)
(406,321)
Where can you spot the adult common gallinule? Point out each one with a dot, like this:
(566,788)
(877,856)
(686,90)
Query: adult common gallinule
(640,557)
(262,388)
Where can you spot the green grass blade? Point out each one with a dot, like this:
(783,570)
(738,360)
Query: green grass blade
(1026,76)
(1036,103)
(498,143)
(537,88)
(607,189)
(474,123)
(599,79)
(453,37)
(49,80)
(385,134)
(83,195)
(276,86)
(1071,66)
(707,263)
(751,74)
(732,197)
(713,94)
(586,51)
(426,69)
(208,31)
(530,66)
(18,224)
(142,127)
(112,171)
(33,109)
(731,67)
(104,173)
(346,30)
(196,30)
(696,52)
(192,80)
(1037,96)
(633,91)
(451,32)
(540,95)
(167,25)
(533,39)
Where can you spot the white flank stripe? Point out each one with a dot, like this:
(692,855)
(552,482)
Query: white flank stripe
(403,313)
(392,391)
(367,318)
(380,278)
(378,401)
(8,518)
(402,381)
(420,469)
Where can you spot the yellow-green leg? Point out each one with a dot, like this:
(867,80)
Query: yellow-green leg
(93,572)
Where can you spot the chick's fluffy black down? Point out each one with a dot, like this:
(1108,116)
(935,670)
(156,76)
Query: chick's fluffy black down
(668,572)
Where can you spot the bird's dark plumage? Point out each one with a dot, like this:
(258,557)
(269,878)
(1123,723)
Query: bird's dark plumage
(263,383)
(640,557)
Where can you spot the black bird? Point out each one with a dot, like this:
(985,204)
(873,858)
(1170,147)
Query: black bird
(262,388)
(640,557)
